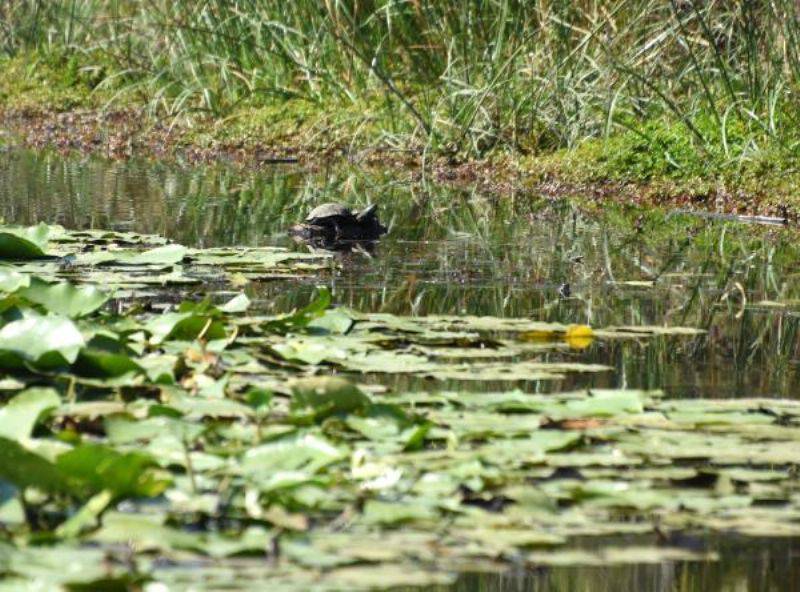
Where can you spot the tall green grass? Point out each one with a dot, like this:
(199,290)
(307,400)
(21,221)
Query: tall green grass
(451,75)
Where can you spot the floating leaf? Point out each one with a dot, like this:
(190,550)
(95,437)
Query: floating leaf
(320,397)
(145,533)
(184,326)
(20,414)
(64,298)
(103,364)
(99,468)
(23,243)
(618,555)
(11,281)
(307,453)
(161,256)
(25,468)
(392,513)
(236,304)
(47,342)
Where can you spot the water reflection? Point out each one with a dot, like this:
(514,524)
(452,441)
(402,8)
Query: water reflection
(460,252)
(754,566)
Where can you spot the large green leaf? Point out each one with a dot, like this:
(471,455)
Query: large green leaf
(20,414)
(160,256)
(25,468)
(45,341)
(389,513)
(308,453)
(300,319)
(184,326)
(96,467)
(83,471)
(102,364)
(321,396)
(236,304)
(23,243)
(64,298)
(147,532)
(12,280)
(64,567)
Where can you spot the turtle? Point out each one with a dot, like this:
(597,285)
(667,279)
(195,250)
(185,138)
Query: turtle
(334,222)
(330,215)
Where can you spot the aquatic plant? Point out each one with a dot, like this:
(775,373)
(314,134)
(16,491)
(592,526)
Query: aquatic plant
(212,437)
(681,80)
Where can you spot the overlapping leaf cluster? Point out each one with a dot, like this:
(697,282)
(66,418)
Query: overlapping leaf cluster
(137,264)
(238,449)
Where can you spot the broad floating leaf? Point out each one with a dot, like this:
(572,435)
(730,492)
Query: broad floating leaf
(164,255)
(184,326)
(45,341)
(307,453)
(23,243)
(20,414)
(322,396)
(25,468)
(11,281)
(64,298)
(236,304)
(99,468)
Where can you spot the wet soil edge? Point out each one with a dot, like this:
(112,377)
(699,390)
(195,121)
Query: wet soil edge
(126,133)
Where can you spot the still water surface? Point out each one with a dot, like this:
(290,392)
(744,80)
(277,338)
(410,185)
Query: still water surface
(456,251)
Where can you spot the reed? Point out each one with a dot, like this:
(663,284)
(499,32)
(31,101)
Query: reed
(450,76)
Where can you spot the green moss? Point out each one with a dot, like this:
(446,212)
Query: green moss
(38,81)
(670,156)
(298,123)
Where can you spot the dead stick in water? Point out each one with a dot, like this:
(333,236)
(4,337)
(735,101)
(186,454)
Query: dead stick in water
(776,220)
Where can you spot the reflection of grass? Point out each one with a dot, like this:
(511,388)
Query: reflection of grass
(661,88)
(453,251)
(768,566)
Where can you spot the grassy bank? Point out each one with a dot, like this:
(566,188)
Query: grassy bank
(629,90)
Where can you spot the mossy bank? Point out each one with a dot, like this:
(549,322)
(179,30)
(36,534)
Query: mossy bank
(73,101)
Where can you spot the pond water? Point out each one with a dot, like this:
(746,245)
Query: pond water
(457,251)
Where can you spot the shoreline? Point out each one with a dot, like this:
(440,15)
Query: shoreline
(125,133)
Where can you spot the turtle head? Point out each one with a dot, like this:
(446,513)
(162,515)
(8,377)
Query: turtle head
(368,220)
(368,214)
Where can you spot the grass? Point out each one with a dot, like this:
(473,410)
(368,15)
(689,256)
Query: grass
(631,89)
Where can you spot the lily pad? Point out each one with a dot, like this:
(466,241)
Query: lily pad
(20,414)
(64,298)
(45,341)
(320,397)
(23,243)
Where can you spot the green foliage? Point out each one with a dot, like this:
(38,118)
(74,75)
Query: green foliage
(163,419)
(64,299)
(46,342)
(20,414)
(320,397)
(470,79)
(23,243)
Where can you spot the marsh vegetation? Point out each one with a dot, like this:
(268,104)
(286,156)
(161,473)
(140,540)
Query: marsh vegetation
(218,405)
(644,89)
(505,392)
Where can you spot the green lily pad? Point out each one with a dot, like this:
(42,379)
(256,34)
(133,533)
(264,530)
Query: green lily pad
(64,298)
(306,453)
(45,341)
(20,414)
(23,243)
(11,281)
(322,396)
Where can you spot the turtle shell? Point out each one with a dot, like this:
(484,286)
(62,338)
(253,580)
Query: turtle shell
(328,212)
